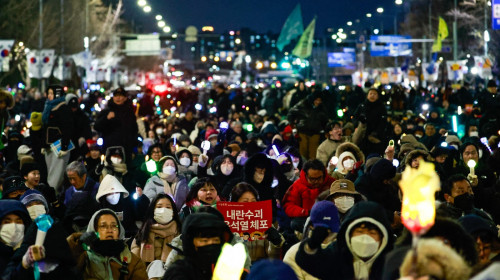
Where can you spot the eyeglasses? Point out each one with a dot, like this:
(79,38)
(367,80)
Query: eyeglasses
(107,227)
(316,179)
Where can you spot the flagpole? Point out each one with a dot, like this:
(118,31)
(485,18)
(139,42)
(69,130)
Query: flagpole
(455,42)
(40,46)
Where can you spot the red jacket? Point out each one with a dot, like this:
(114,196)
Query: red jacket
(300,197)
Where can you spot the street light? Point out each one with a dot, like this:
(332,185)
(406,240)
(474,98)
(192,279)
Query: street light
(167,29)
(159,17)
(349,23)
(368,15)
(161,24)
(380,10)
(398,2)
(147,9)
(142,3)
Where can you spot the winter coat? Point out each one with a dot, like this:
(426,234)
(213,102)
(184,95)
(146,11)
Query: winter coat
(80,203)
(328,148)
(128,210)
(190,267)
(178,189)
(222,182)
(308,120)
(60,123)
(96,266)
(160,236)
(337,261)
(56,251)
(120,130)
(300,197)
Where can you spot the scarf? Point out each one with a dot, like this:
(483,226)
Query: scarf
(51,105)
(169,183)
(158,231)
(120,168)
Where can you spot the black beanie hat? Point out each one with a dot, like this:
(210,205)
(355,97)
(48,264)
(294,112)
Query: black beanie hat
(28,167)
(383,170)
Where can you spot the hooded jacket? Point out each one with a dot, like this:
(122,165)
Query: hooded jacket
(190,267)
(300,197)
(220,180)
(338,261)
(96,266)
(10,206)
(120,130)
(178,189)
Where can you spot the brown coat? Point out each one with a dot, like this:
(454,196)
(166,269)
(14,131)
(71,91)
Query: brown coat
(91,270)
(156,246)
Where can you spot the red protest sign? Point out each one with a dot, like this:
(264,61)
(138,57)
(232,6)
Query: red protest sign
(249,219)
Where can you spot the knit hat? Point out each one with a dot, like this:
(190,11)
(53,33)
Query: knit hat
(36,121)
(71,100)
(271,270)
(474,224)
(383,170)
(211,133)
(34,195)
(343,186)
(324,213)
(28,167)
(12,184)
(194,150)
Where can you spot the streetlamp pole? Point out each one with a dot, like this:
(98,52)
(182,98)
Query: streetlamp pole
(455,39)
(38,55)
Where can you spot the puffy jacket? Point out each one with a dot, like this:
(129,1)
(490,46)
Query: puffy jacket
(300,197)
(155,186)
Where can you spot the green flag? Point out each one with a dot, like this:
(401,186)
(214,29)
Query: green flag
(303,49)
(442,34)
(291,29)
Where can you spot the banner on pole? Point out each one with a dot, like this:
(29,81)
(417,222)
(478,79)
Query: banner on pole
(249,219)
(5,48)
(40,61)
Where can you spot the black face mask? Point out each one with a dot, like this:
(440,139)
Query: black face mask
(464,202)
(207,255)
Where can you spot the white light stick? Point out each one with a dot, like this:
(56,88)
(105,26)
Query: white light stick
(471,163)
(205,145)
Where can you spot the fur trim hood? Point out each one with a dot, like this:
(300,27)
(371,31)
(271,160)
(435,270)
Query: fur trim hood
(352,148)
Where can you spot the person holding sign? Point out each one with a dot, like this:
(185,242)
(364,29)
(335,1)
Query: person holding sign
(270,247)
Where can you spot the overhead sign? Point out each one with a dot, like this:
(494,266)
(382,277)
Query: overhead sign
(390,45)
(341,59)
(495,9)
(144,45)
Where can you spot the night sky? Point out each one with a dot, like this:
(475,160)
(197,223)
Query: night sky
(259,15)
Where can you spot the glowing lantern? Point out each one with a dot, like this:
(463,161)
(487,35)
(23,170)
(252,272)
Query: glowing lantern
(419,186)
(231,262)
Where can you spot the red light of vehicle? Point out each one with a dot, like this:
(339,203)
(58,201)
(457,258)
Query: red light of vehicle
(160,88)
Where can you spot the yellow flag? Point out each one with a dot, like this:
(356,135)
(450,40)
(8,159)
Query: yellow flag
(442,34)
(303,49)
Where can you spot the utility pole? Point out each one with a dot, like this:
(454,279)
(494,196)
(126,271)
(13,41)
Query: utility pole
(40,46)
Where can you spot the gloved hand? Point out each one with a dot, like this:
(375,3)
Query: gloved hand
(274,236)
(88,239)
(203,160)
(318,235)
(32,255)
(473,180)
(99,168)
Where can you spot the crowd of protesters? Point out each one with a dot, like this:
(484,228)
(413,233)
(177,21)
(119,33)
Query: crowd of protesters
(132,180)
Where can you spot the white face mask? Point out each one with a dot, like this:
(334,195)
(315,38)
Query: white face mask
(241,160)
(185,161)
(418,135)
(348,164)
(226,169)
(113,198)
(159,131)
(12,234)
(169,170)
(116,160)
(36,210)
(474,134)
(344,203)
(258,178)
(295,164)
(163,215)
(364,245)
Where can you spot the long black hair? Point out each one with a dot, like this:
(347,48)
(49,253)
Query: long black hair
(200,183)
(143,233)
